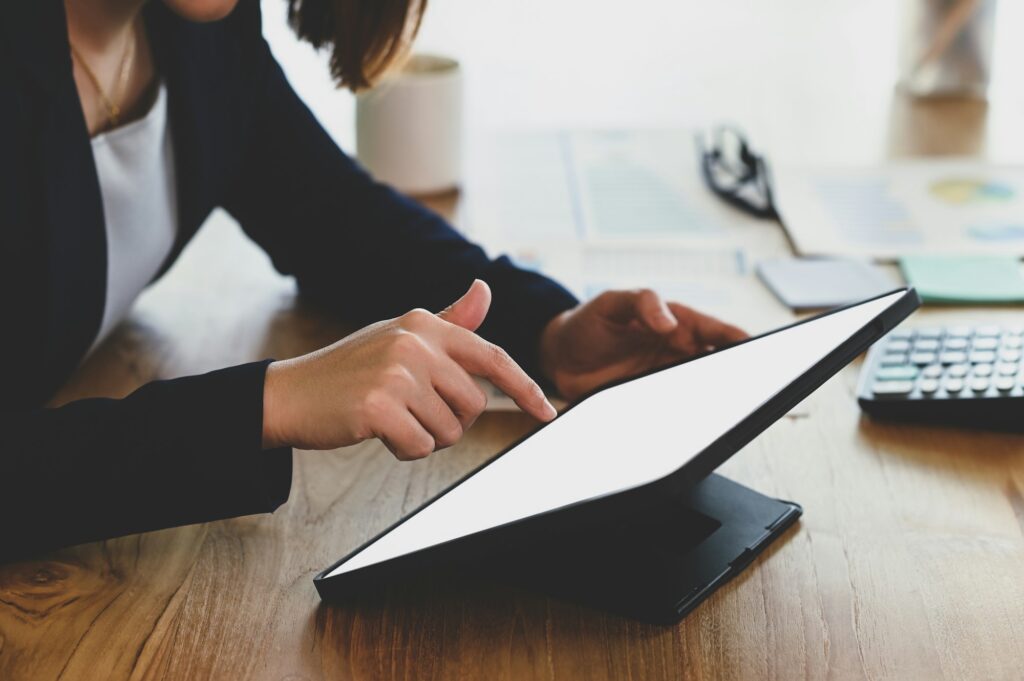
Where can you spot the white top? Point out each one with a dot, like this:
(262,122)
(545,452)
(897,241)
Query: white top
(135,165)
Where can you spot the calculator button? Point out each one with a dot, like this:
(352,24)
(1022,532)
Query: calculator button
(928,386)
(900,373)
(979,385)
(953,357)
(983,357)
(959,332)
(953,385)
(892,388)
(986,331)
(893,359)
(897,346)
(1004,384)
(955,344)
(932,371)
(1012,341)
(1006,369)
(927,345)
(1009,355)
(929,332)
(923,358)
(985,343)
(958,370)
(982,370)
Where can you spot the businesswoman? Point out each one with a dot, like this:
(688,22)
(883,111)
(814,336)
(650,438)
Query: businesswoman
(123,123)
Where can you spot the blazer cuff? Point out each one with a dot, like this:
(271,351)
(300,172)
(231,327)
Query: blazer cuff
(254,480)
(203,438)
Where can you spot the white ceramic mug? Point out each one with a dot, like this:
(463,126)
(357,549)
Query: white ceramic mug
(409,126)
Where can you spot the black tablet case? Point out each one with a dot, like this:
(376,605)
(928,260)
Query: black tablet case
(659,565)
(543,551)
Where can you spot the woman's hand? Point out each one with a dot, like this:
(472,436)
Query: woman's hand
(623,333)
(407,381)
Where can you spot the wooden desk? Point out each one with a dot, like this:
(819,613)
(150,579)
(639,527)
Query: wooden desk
(908,563)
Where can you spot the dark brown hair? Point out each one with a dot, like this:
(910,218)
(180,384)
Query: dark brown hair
(366,36)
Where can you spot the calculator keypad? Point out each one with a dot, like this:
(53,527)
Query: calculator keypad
(958,362)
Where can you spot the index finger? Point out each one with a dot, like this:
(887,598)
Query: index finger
(487,360)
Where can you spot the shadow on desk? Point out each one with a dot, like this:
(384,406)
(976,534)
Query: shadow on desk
(420,628)
(964,451)
(427,630)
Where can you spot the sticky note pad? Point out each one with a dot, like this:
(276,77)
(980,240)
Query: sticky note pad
(965,279)
(815,283)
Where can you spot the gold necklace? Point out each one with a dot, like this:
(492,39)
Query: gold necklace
(111,103)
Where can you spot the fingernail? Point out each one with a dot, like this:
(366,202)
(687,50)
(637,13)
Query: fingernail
(549,410)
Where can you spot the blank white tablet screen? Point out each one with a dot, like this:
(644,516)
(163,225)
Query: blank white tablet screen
(624,436)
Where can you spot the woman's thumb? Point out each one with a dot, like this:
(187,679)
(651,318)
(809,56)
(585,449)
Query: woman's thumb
(469,310)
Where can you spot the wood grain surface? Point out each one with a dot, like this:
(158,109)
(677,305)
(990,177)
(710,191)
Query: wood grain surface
(908,563)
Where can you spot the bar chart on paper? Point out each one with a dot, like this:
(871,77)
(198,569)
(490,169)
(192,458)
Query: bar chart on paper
(592,185)
(600,209)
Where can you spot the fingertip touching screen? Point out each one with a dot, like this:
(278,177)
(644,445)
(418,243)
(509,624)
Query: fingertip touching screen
(624,436)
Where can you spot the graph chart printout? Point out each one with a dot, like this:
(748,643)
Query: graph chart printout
(905,208)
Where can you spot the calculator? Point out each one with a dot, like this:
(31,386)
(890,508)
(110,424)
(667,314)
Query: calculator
(957,375)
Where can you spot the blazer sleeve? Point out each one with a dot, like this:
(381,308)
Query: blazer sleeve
(357,246)
(172,453)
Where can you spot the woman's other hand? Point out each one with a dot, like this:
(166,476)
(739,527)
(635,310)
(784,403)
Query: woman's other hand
(407,381)
(623,333)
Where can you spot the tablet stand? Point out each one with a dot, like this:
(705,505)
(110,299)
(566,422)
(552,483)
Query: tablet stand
(660,565)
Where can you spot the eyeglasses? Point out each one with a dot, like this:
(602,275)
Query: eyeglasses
(735,173)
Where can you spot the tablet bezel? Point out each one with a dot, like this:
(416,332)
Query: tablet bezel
(509,535)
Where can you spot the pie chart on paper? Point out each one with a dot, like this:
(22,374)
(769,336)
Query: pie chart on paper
(962,191)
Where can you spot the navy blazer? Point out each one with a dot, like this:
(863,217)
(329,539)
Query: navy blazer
(188,450)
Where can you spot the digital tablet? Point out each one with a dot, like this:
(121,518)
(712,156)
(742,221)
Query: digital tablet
(621,447)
